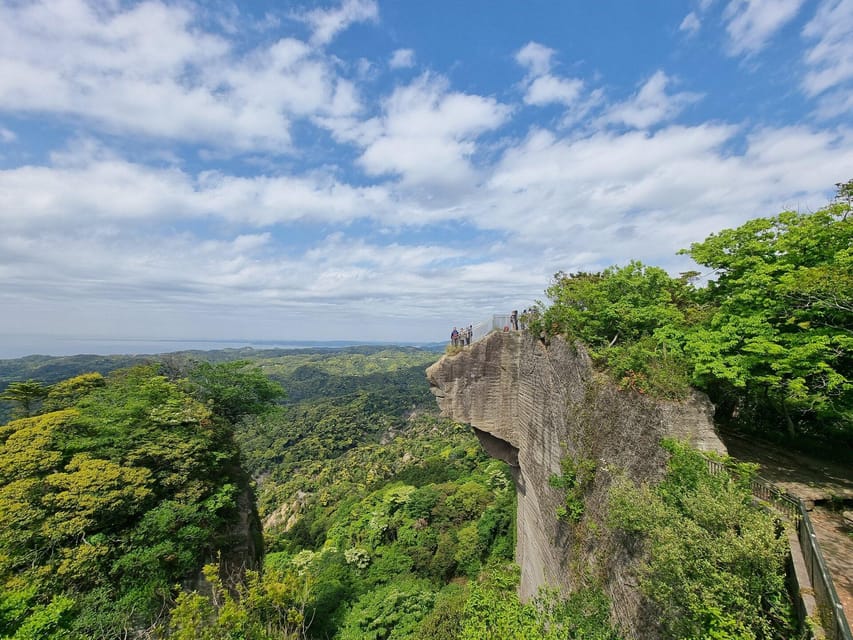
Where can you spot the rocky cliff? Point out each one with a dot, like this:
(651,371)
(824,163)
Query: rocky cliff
(531,405)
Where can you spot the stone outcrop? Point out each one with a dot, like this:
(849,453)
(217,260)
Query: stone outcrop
(531,405)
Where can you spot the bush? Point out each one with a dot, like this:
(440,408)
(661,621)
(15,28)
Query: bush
(715,564)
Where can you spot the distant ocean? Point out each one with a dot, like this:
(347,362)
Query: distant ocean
(20,346)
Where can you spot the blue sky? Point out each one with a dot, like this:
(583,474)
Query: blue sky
(384,170)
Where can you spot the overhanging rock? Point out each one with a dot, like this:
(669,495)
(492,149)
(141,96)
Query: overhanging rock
(531,405)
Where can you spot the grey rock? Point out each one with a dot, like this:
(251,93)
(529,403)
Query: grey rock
(531,405)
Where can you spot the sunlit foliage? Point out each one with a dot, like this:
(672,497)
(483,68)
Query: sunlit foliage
(117,492)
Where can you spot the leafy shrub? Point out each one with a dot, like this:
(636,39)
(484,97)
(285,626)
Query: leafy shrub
(715,563)
(574,479)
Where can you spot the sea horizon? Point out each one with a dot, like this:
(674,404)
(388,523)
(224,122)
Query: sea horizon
(14,347)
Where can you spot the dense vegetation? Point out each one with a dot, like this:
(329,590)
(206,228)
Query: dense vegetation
(715,565)
(375,535)
(112,490)
(305,372)
(770,337)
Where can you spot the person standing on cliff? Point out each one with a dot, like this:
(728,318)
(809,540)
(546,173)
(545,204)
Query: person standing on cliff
(513,319)
(454,337)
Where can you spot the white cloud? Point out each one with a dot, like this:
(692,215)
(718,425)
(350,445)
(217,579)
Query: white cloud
(835,103)
(691,23)
(549,89)
(491,218)
(541,86)
(830,59)
(428,134)
(324,291)
(7,135)
(750,24)
(117,68)
(651,105)
(536,57)
(579,110)
(119,191)
(551,202)
(327,23)
(587,203)
(402,59)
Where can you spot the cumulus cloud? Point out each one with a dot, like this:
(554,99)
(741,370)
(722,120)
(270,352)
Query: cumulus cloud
(116,67)
(750,24)
(549,89)
(436,211)
(550,202)
(651,105)
(427,133)
(321,291)
(7,135)
(611,195)
(536,57)
(830,58)
(402,59)
(541,86)
(118,190)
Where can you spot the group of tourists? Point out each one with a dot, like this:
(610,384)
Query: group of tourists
(462,338)
(514,322)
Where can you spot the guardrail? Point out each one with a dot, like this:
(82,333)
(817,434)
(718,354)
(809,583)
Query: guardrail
(831,612)
(494,323)
(829,606)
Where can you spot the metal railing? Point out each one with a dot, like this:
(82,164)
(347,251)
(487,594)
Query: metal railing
(493,323)
(829,605)
(831,612)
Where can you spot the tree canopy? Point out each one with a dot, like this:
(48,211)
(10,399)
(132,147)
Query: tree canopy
(780,336)
(770,337)
(122,488)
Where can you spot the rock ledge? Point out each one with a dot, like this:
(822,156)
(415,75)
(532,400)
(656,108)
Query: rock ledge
(531,405)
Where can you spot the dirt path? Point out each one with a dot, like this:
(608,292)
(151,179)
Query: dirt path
(812,480)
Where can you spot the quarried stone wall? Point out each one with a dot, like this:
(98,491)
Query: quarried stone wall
(532,404)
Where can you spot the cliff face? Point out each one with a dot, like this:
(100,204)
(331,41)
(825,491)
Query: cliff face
(531,405)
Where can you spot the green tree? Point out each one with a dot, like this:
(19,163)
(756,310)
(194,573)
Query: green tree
(780,338)
(106,504)
(632,319)
(268,606)
(390,612)
(233,389)
(66,393)
(26,396)
(715,563)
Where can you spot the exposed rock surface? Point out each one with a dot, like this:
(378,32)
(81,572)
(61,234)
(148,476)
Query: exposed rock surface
(531,405)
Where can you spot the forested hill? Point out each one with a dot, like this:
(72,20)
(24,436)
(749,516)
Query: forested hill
(113,490)
(306,366)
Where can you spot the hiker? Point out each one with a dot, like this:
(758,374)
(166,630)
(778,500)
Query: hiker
(454,337)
